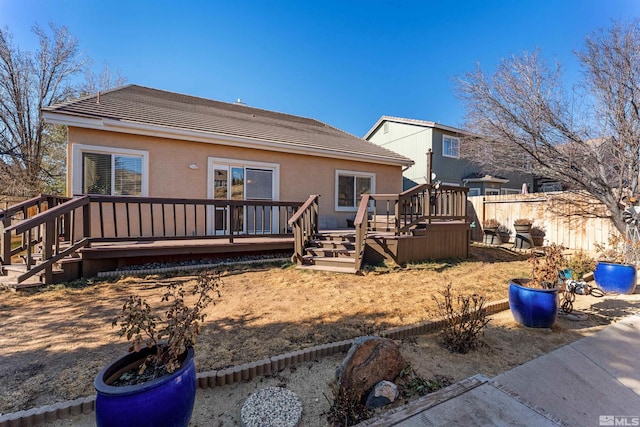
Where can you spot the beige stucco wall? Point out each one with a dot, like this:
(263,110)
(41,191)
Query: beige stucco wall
(170,175)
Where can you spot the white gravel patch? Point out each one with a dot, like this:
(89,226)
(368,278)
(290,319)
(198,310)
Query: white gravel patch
(271,407)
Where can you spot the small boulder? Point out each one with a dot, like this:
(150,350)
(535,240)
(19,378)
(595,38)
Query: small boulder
(383,393)
(369,361)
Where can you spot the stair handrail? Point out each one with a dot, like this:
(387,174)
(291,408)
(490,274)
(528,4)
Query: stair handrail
(304,223)
(52,200)
(414,206)
(7,219)
(56,222)
(49,214)
(361,228)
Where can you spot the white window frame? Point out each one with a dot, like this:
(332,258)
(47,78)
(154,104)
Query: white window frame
(214,162)
(511,190)
(452,139)
(491,192)
(78,149)
(473,191)
(355,174)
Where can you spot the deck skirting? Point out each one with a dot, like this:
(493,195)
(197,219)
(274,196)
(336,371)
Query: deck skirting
(435,241)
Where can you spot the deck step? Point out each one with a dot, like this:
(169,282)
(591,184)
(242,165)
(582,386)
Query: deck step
(10,281)
(335,262)
(338,244)
(338,237)
(11,272)
(347,270)
(14,268)
(331,252)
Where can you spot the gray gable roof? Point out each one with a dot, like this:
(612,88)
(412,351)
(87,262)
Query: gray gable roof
(137,105)
(416,122)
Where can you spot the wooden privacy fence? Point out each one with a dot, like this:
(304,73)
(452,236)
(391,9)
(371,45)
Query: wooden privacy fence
(574,220)
(6,201)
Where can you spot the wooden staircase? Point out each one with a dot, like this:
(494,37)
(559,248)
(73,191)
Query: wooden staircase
(63,270)
(331,251)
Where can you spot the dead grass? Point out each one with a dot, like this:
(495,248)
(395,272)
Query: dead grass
(54,342)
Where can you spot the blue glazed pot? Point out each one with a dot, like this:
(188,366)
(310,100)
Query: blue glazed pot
(612,277)
(165,401)
(533,307)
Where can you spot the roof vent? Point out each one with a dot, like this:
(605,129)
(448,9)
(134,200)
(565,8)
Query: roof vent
(241,102)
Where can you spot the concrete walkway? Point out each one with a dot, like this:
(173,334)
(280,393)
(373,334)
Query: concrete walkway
(594,381)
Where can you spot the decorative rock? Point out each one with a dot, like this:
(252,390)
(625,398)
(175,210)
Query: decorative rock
(369,361)
(383,393)
(271,407)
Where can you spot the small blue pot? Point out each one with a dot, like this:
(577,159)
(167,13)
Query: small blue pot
(612,277)
(165,401)
(533,307)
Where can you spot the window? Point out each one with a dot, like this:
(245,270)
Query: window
(511,190)
(450,146)
(491,192)
(350,188)
(118,173)
(473,192)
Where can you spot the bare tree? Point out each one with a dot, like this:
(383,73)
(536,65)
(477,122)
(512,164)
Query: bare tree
(587,138)
(29,82)
(106,80)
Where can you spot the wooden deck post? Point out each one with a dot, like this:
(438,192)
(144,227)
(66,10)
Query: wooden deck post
(6,241)
(86,222)
(49,241)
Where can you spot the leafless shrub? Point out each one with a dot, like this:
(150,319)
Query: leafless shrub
(346,409)
(545,269)
(172,333)
(465,319)
(581,263)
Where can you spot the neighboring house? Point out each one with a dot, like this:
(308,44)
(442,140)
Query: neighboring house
(140,141)
(413,138)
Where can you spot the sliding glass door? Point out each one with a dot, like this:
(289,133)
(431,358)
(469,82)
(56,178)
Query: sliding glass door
(259,187)
(241,182)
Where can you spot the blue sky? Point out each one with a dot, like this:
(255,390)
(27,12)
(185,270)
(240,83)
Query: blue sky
(342,62)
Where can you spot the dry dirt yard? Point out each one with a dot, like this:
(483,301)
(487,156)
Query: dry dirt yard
(54,341)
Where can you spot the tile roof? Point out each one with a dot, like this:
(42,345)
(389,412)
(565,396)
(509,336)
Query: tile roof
(137,105)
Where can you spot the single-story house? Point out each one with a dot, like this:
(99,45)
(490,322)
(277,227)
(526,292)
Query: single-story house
(135,140)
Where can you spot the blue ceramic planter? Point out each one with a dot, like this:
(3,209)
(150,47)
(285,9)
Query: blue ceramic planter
(612,277)
(532,307)
(165,401)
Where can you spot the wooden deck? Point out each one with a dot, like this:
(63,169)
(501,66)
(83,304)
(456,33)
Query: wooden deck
(61,239)
(107,256)
(425,222)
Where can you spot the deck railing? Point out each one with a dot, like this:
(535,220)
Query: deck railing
(20,212)
(400,213)
(63,229)
(304,224)
(425,203)
(117,218)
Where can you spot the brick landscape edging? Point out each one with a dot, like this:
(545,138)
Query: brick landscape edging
(245,372)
